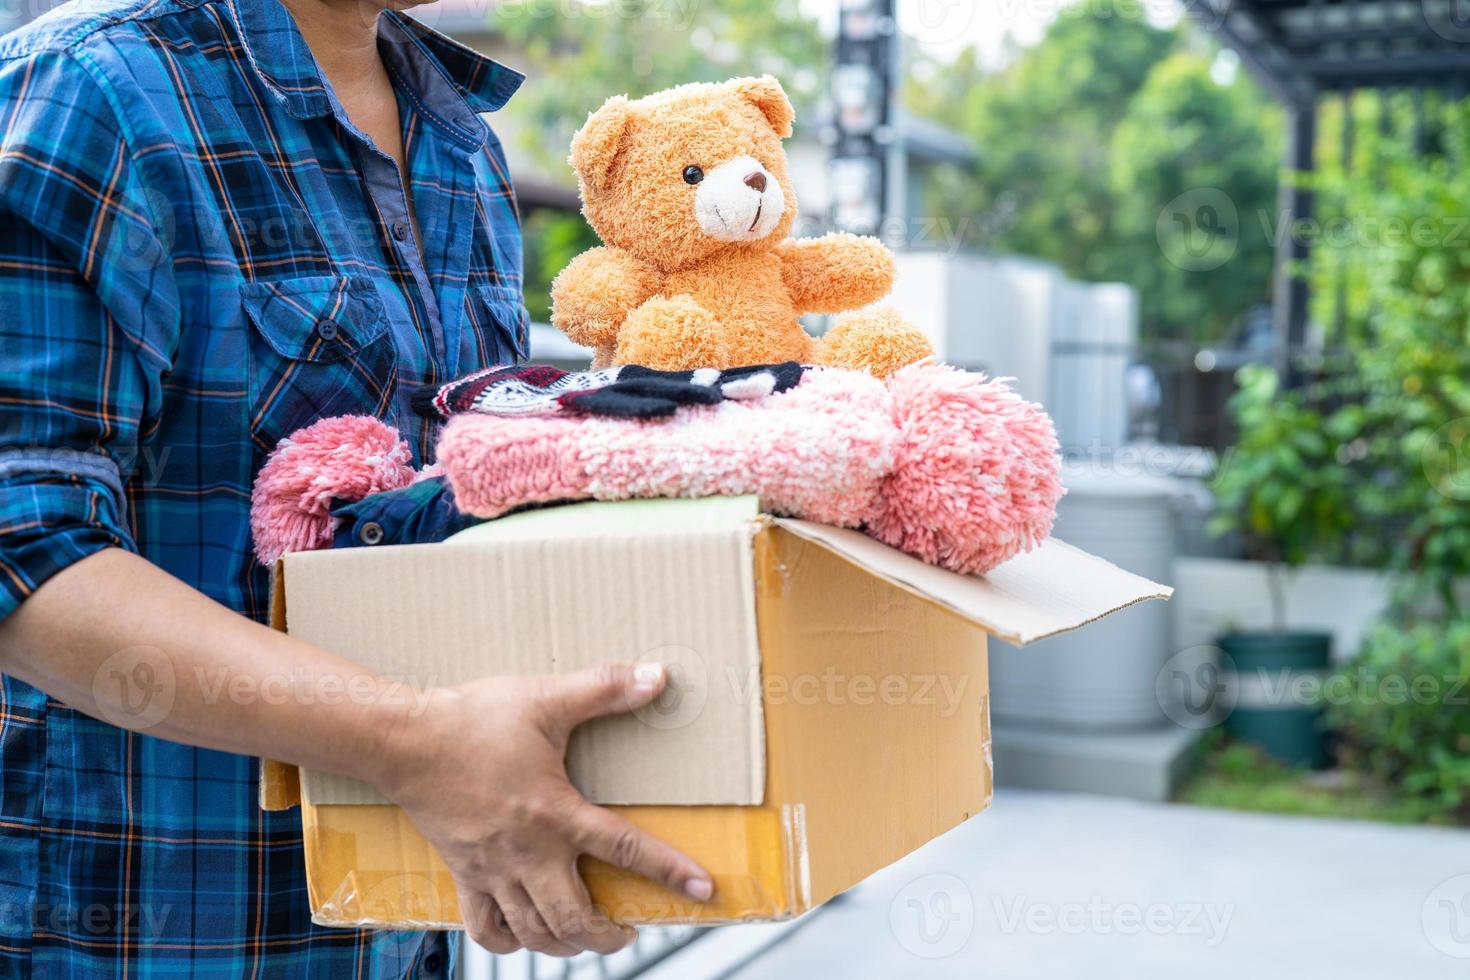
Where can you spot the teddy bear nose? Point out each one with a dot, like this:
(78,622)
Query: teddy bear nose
(757,180)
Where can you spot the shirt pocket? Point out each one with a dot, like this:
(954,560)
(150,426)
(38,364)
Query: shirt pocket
(499,326)
(319,347)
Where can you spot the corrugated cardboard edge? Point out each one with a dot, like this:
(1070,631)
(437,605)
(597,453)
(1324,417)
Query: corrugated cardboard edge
(983,600)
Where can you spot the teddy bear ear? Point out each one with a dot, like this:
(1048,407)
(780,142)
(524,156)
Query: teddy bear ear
(595,146)
(767,95)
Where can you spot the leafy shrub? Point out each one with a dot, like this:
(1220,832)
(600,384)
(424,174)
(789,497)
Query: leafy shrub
(1402,711)
(1282,486)
(1371,462)
(1285,487)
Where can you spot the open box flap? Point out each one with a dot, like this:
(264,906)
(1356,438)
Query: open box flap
(1051,589)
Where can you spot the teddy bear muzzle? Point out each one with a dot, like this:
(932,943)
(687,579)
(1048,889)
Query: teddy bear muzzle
(739,201)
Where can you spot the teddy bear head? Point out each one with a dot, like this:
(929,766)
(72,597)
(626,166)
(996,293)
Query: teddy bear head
(677,176)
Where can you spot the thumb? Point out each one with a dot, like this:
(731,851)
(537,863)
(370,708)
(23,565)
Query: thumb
(608,689)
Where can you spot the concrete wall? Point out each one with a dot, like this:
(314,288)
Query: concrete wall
(1213,595)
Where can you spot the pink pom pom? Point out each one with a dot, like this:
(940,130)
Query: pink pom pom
(342,458)
(977,475)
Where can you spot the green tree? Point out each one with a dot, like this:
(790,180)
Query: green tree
(585,52)
(1399,236)
(1380,444)
(1042,126)
(1089,136)
(1193,171)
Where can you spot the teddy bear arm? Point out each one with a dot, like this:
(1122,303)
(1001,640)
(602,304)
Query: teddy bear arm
(835,272)
(592,297)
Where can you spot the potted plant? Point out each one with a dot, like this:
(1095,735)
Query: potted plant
(1287,490)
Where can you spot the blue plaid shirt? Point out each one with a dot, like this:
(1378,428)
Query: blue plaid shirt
(199,254)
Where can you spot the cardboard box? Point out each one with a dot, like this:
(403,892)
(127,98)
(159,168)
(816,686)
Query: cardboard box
(828,710)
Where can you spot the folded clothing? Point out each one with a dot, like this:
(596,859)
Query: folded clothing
(420,513)
(630,391)
(946,465)
(949,466)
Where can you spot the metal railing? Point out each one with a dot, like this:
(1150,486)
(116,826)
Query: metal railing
(654,943)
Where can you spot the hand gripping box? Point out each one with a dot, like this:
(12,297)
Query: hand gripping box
(827,712)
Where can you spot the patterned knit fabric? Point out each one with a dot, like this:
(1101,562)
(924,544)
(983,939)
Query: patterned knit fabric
(951,467)
(625,392)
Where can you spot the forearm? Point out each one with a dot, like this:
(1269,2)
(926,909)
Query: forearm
(120,639)
(511,839)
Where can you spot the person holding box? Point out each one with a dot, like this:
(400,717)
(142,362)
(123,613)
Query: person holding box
(219,221)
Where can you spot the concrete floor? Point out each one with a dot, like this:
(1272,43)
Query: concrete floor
(1052,886)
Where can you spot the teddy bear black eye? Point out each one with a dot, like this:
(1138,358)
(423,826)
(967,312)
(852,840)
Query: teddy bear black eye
(693,175)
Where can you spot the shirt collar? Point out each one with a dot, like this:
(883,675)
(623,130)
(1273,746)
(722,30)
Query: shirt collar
(448,81)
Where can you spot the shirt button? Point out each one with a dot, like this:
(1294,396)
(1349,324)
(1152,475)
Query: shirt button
(371,533)
(400,230)
(433,963)
(326,328)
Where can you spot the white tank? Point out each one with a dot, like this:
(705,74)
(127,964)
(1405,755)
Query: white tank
(1100,677)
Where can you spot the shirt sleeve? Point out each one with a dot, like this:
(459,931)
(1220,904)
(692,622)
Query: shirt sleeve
(88,320)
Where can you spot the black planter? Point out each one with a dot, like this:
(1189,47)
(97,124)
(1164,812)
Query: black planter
(1274,681)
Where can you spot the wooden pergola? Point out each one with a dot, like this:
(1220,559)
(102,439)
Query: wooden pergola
(1302,50)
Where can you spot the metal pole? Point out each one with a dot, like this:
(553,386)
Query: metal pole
(863,181)
(1292,248)
(1346,147)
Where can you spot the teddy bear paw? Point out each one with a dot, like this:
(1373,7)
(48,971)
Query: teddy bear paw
(672,333)
(878,341)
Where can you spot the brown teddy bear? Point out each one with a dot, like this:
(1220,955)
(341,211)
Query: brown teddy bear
(689,192)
